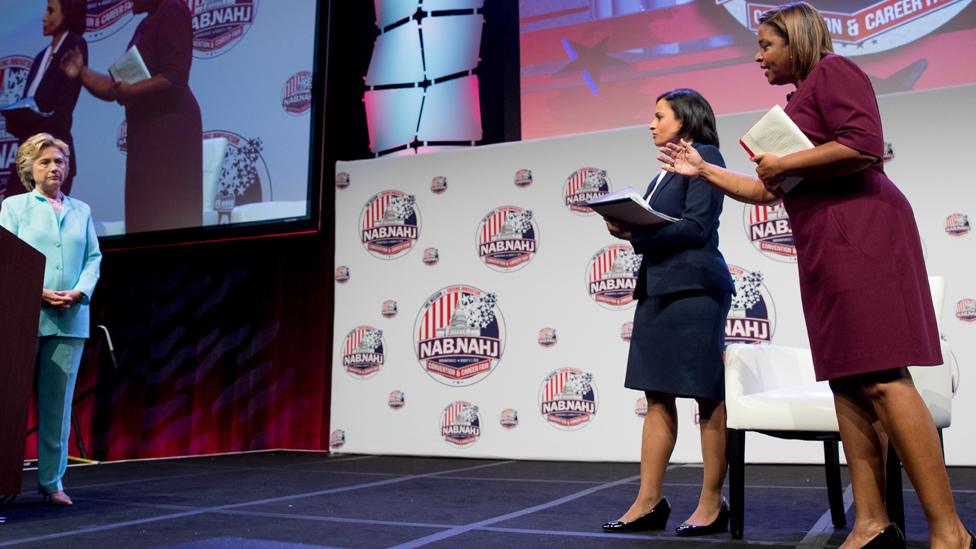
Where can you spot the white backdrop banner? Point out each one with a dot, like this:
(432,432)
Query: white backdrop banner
(481,312)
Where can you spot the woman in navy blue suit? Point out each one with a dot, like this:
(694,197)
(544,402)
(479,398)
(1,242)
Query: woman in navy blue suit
(52,90)
(684,291)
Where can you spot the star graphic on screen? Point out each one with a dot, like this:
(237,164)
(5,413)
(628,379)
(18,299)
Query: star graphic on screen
(589,61)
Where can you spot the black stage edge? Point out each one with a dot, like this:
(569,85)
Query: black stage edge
(290,500)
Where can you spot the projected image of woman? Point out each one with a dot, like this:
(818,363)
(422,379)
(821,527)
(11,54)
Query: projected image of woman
(863,282)
(164,165)
(61,228)
(684,292)
(53,92)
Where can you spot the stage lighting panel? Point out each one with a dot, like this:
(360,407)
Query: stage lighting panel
(451,44)
(442,5)
(391,11)
(452,111)
(396,58)
(391,116)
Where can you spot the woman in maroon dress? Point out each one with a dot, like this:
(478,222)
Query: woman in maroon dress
(164,165)
(863,283)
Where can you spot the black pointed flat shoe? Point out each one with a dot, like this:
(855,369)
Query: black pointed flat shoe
(891,537)
(719,525)
(655,519)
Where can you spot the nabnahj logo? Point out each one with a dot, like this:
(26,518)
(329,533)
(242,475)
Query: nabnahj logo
(460,335)
(752,317)
(218,25)
(390,224)
(611,276)
(13,80)
(507,238)
(103,18)
(362,352)
(460,424)
(582,185)
(567,399)
(769,230)
(860,27)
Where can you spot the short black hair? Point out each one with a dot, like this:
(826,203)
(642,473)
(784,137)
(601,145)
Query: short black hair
(694,112)
(74,13)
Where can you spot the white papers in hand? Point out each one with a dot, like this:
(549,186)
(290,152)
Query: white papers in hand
(130,67)
(775,133)
(630,207)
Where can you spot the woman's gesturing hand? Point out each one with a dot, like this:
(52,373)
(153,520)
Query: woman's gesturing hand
(681,158)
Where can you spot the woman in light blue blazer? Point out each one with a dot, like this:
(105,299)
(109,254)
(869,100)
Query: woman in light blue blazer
(61,228)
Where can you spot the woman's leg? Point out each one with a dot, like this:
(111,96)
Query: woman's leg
(657,442)
(711,422)
(58,359)
(908,423)
(864,446)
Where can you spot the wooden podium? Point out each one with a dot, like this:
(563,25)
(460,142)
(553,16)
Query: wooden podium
(21,282)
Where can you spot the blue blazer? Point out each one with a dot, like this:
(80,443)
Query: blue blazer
(684,255)
(70,247)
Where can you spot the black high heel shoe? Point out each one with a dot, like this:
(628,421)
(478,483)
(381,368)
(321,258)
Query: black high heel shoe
(655,519)
(890,537)
(719,525)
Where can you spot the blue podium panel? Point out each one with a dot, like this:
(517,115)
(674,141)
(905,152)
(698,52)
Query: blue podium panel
(452,111)
(396,57)
(451,44)
(391,11)
(391,116)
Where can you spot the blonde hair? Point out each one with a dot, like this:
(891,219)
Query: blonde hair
(30,149)
(806,34)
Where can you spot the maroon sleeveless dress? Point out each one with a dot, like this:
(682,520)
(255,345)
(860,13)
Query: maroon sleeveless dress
(863,282)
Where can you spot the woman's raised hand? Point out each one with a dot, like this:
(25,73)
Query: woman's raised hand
(72,62)
(681,158)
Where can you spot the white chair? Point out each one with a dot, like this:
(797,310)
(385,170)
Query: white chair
(771,389)
(214,150)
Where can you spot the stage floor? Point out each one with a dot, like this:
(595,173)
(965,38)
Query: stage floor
(289,500)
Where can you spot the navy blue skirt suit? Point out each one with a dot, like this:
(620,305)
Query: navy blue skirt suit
(683,292)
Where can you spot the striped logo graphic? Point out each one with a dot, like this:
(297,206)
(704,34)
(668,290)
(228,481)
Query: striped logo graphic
(396,400)
(509,418)
(389,224)
(582,185)
(13,80)
(769,230)
(626,330)
(296,96)
(752,317)
(611,276)
(362,352)
(507,238)
(342,180)
(337,439)
(640,409)
(460,335)
(957,224)
(568,399)
(966,310)
(460,424)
